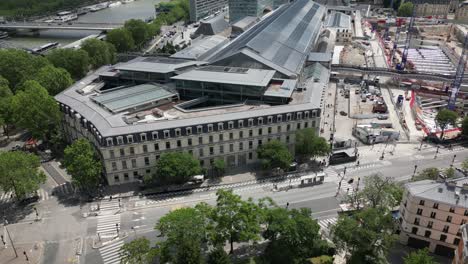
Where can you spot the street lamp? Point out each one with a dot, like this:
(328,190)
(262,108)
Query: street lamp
(344,172)
(26,255)
(37,214)
(9,236)
(453,160)
(437,152)
(414,172)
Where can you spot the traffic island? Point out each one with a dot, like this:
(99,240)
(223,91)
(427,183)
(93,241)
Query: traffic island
(99,241)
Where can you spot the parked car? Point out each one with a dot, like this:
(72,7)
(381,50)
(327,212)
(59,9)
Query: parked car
(343,113)
(30,198)
(382,117)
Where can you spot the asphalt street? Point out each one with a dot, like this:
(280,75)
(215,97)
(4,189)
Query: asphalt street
(62,225)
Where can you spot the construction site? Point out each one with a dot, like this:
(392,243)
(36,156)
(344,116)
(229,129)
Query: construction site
(419,66)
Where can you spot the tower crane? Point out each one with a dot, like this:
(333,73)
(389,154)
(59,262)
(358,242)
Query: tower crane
(458,76)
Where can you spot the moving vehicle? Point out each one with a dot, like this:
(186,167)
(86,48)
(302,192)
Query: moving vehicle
(46,47)
(65,16)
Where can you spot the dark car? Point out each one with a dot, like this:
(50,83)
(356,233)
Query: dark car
(343,113)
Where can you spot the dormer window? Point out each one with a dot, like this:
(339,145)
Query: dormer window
(230,125)
(177,132)
(199,129)
(166,134)
(188,130)
(130,139)
(279,118)
(143,137)
(109,142)
(120,140)
(155,135)
(220,126)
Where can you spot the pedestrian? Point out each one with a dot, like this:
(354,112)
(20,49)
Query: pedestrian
(287,204)
(110,198)
(358,163)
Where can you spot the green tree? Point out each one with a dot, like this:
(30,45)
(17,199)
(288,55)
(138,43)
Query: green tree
(308,144)
(122,39)
(218,256)
(83,165)
(274,154)
(419,257)
(19,172)
(100,52)
(219,166)
(136,251)
(139,29)
(76,62)
(405,9)
(6,113)
(294,236)
(176,168)
(465,164)
(236,220)
(186,233)
(464,126)
(449,172)
(366,235)
(322,260)
(444,118)
(35,110)
(55,80)
(427,174)
(379,191)
(18,66)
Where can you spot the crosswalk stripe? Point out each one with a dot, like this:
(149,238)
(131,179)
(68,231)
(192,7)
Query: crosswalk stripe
(325,224)
(111,253)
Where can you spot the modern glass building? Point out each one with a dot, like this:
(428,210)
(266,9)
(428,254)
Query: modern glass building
(202,8)
(239,9)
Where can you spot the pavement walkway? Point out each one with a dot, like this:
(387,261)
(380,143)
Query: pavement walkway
(27,253)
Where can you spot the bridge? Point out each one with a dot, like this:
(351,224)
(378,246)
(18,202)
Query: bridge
(35,26)
(395,73)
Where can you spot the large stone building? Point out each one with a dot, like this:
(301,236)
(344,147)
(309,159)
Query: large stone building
(432,213)
(239,9)
(431,8)
(341,25)
(256,88)
(203,8)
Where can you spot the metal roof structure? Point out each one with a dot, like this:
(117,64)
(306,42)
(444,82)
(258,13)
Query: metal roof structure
(442,192)
(121,99)
(228,75)
(245,23)
(201,48)
(212,26)
(338,20)
(320,56)
(281,88)
(156,64)
(281,41)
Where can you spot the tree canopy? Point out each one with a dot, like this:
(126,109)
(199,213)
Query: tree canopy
(139,29)
(219,166)
(185,231)
(83,165)
(136,251)
(19,172)
(378,191)
(427,174)
(294,236)
(122,39)
(405,9)
(18,66)
(176,168)
(6,114)
(274,154)
(308,144)
(366,235)
(100,52)
(444,118)
(53,79)
(35,110)
(236,220)
(419,257)
(464,126)
(76,62)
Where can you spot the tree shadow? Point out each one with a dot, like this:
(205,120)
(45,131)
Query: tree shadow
(14,211)
(66,195)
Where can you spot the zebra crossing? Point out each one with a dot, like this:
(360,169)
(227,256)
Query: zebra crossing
(7,197)
(111,253)
(108,225)
(109,205)
(63,189)
(326,224)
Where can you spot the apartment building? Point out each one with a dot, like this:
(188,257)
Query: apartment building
(432,213)
(237,99)
(200,9)
(461,13)
(461,252)
(238,9)
(431,8)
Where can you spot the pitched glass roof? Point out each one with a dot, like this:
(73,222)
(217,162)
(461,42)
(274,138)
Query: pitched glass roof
(119,100)
(283,39)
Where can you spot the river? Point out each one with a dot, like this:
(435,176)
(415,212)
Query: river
(139,9)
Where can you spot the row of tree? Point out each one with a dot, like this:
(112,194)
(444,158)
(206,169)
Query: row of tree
(136,33)
(200,234)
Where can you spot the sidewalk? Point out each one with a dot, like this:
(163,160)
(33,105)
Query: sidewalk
(34,253)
